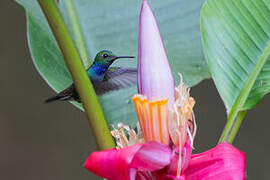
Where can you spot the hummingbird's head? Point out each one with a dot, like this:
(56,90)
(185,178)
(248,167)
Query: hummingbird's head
(107,57)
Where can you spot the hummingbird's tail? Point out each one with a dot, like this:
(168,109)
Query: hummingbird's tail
(65,95)
(59,97)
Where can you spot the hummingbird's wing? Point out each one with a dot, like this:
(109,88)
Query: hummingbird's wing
(116,78)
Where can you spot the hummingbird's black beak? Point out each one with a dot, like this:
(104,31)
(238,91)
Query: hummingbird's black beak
(119,57)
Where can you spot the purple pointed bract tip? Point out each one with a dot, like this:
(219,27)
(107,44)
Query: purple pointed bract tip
(155,79)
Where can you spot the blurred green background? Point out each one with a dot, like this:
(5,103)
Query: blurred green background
(40,141)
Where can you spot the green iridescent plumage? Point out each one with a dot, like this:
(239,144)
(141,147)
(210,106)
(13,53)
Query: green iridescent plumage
(103,77)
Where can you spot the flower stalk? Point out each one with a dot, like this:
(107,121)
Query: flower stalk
(163,151)
(83,85)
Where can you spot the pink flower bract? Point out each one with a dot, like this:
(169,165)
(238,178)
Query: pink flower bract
(155,78)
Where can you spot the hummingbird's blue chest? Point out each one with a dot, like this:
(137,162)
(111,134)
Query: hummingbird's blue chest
(97,72)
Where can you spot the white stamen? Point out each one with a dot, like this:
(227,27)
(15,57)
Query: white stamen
(195,125)
(125,136)
(190,137)
(177,115)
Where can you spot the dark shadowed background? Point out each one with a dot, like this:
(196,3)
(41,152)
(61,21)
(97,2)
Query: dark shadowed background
(40,141)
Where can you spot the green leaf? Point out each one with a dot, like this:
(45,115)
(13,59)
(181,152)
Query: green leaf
(236,40)
(114,25)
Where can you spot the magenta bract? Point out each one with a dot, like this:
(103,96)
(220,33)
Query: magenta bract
(224,162)
(154,161)
(123,164)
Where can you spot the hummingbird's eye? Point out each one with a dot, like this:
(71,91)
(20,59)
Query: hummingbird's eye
(105,55)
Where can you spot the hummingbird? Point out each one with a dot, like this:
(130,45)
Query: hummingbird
(103,77)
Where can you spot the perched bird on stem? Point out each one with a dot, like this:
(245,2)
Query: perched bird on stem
(103,77)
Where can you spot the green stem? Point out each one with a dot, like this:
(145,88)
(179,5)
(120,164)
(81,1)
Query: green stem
(77,31)
(236,126)
(83,85)
(237,114)
(232,127)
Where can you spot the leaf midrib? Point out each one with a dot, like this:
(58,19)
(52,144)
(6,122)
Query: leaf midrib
(240,101)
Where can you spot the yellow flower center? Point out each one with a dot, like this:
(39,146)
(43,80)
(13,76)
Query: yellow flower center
(153,118)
